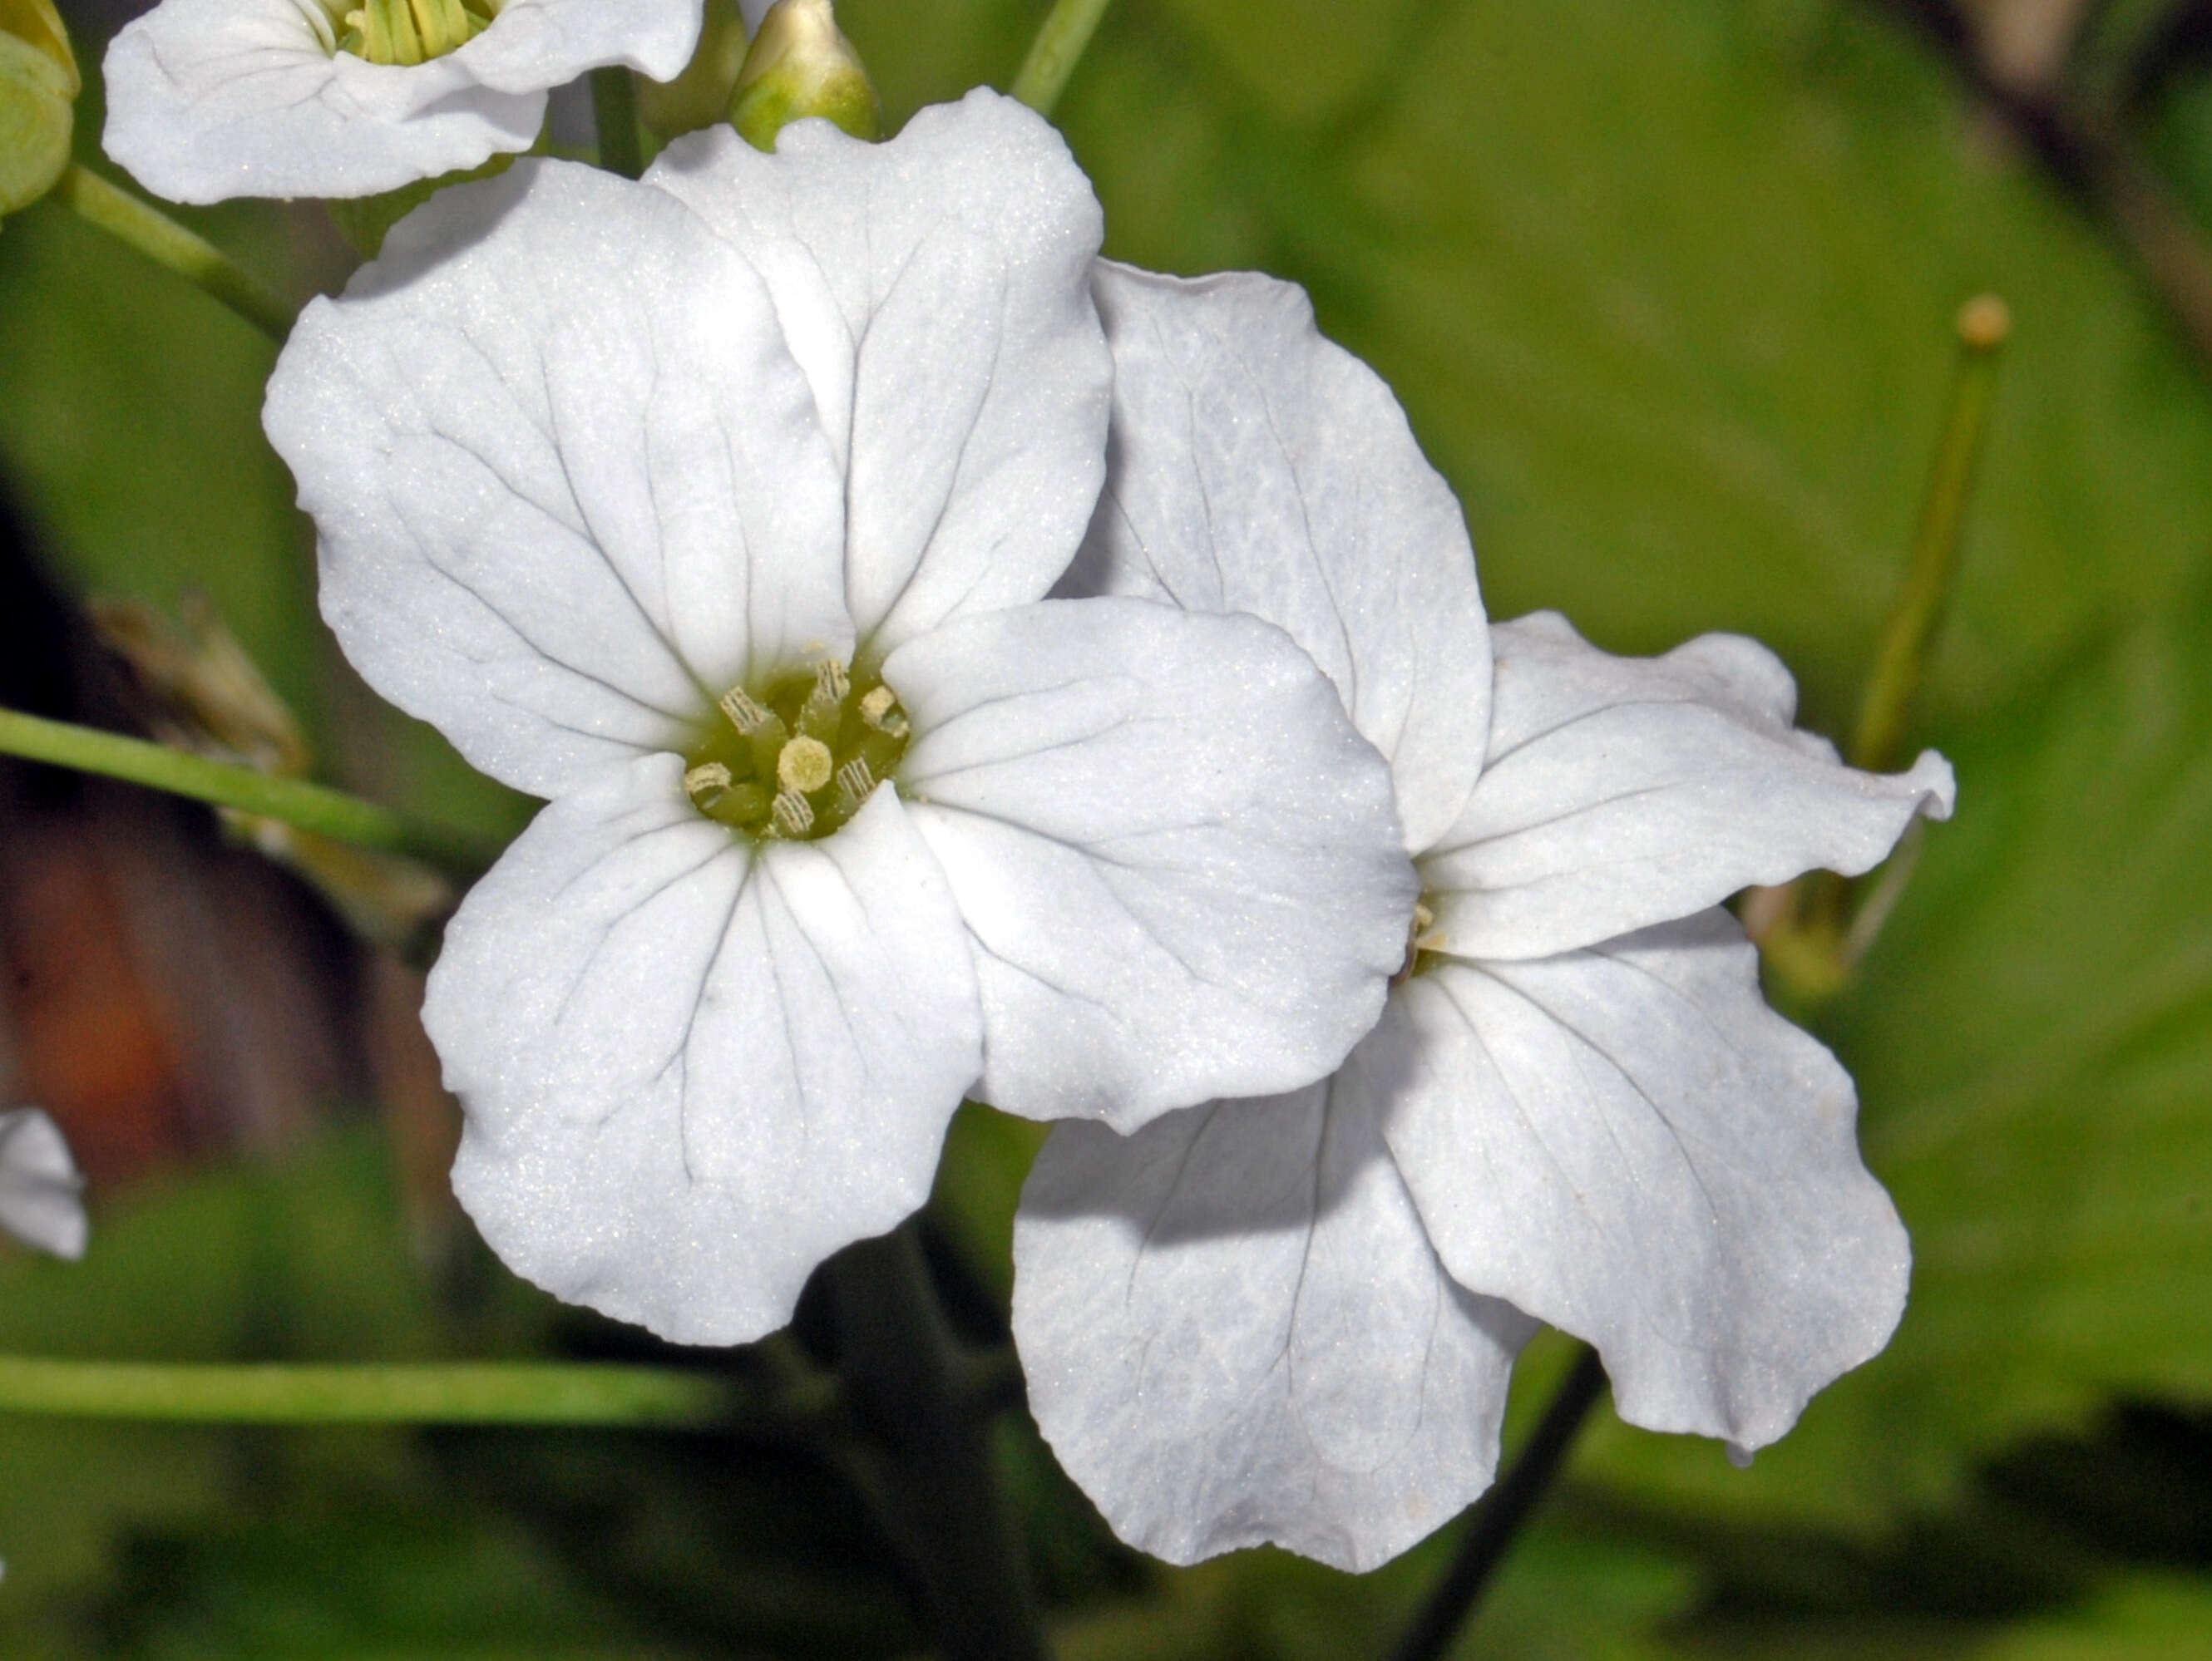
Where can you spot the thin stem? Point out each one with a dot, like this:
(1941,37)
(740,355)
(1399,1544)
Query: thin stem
(514,1393)
(304,806)
(1056,52)
(1902,662)
(1497,1516)
(165,242)
(614,108)
(933,1487)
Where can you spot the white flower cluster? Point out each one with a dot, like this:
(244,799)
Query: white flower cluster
(959,667)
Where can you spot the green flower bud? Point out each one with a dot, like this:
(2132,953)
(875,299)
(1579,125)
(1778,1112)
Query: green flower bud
(39,85)
(701,95)
(799,65)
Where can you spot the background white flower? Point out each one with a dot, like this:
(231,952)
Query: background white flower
(1294,1319)
(589,457)
(213,99)
(42,1195)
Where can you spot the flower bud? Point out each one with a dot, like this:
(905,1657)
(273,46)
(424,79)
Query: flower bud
(39,84)
(800,65)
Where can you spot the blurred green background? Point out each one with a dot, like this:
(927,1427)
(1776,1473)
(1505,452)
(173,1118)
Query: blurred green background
(1668,288)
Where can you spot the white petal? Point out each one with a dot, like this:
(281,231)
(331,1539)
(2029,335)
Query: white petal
(1624,792)
(690,1070)
(934,289)
(40,1193)
(568,480)
(213,99)
(548,42)
(1257,467)
(1626,1142)
(1179,863)
(1235,1332)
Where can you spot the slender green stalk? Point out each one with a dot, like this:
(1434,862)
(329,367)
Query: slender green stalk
(296,802)
(614,107)
(165,242)
(926,1465)
(1056,52)
(1496,1518)
(513,1393)
(1902,662)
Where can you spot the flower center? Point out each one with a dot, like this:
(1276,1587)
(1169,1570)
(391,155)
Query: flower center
(1423,940)
(407,31)
(797,758)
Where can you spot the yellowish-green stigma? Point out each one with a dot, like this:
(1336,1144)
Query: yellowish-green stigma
(798,757)
(413,31)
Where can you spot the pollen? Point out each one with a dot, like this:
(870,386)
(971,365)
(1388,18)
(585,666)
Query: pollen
(795,755)
(804,764)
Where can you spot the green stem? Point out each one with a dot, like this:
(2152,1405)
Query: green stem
(925,1403)
(1053,54)
(1496,1520)
(304,806)
(513,1393)
(165,242)
(614,107)
(1902,662)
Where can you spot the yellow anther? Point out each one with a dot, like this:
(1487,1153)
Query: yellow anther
(794,815)
(746,715)
(855,780)
(804,765)
(880,703)
(707,780)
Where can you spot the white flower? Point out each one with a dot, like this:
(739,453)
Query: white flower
(42,1195)
(606,474)
(1292,1319)
(212,98)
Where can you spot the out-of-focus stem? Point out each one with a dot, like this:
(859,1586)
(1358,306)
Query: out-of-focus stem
(1054,52)
(164,241)
(516,1393)
(1901,664)
(1497,1516)
(307,807)
(614,109)
(927,1412)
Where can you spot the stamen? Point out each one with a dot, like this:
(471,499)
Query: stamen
(803,751)
(880,710)
(793,814)
(410,31)
(745,715)
(1423,937)
(707,782)
(804,765)
(823,712)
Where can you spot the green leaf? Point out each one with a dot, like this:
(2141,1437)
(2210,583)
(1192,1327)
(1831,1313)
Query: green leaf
(2147,1617)
(1667,292)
